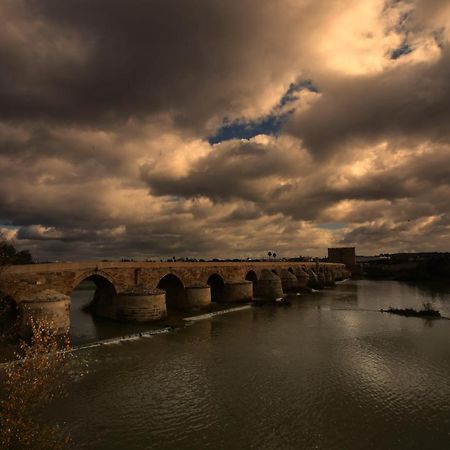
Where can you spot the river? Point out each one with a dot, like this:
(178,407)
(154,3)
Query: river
(329,372)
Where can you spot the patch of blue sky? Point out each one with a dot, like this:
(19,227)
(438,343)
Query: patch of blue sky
(294,88)
(404,49)
(241,129)
(270,124)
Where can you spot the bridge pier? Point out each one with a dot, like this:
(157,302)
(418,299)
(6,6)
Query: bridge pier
(238,291)
(302,281)
(289,282)
(49,306)
(178,280)
(140,305)
(329,278)
(197,296)
(321,279)
(313,281)
(269,285)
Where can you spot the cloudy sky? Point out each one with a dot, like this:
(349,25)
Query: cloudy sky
(204,128)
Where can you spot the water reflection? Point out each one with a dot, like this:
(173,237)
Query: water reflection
(87,328)
(330,372)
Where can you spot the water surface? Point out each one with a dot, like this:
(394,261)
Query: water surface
(329,372)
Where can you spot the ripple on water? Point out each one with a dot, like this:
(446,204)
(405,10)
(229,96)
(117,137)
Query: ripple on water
(309,376)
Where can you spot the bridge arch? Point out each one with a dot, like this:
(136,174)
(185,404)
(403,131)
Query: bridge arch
(217,285)
(99,277)
(102,301)
(251,276)
(174,288)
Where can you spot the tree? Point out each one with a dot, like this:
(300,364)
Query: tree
(274,255)
(270,254)
(30,382)
(37,376)
(10,256)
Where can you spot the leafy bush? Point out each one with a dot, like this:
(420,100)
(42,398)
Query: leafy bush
(37,376)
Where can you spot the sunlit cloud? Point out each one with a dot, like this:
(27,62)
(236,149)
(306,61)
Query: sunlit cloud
(293,127)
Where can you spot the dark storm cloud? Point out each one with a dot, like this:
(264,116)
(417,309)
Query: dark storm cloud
(106,107)
(100,61)
(249,212)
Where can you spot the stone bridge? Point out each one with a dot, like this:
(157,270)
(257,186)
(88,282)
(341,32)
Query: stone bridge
(144,291)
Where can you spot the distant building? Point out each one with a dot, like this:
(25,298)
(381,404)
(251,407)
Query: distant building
(345,255)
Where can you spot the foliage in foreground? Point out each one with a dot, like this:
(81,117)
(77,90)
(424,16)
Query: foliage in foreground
(30,383)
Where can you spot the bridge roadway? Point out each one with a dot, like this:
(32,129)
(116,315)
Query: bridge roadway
(144,291)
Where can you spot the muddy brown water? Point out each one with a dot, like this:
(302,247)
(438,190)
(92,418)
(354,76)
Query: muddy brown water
(329,372)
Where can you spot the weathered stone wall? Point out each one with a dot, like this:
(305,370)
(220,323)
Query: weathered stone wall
(49,306)
(197,296)
(289,281)
(141,308)
(269,285)
(126,291)
(22,282)
(238,291)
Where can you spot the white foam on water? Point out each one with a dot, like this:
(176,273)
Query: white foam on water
(120,339)
(144,334)
(216,313)
(342,281)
